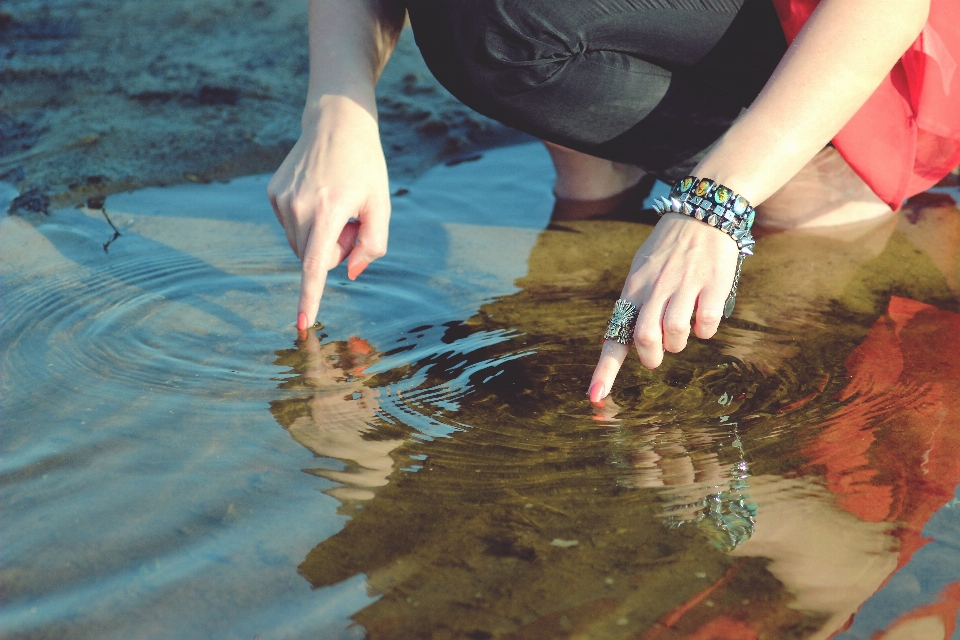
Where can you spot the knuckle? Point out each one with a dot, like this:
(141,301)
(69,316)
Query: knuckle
(676,327)
(282,203)
(675,347)
(638,281)
(646,338)
(606,374)
(375,247)
(711,320)
(311,265)
(298,205)
(706,332)
(709,317)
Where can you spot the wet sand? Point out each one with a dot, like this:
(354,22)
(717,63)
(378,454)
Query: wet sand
(99,97)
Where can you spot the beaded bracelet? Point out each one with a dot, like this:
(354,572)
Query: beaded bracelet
(719,207)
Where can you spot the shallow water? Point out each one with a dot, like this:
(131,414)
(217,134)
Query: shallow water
(425,465)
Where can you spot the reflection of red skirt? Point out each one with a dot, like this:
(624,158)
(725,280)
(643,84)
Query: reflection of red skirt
(890,454)
(907,135)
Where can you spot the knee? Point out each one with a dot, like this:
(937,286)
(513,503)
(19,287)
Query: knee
(520,49)
(497,48)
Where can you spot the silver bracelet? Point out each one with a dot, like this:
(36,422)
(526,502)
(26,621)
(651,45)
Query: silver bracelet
(719,207)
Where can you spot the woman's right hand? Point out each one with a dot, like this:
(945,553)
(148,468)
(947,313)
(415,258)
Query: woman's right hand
(684,269)
(332,196)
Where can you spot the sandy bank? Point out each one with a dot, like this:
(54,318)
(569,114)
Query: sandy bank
(101,96)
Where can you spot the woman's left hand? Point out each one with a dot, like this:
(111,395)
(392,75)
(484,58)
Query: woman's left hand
(833,65)
(684,265)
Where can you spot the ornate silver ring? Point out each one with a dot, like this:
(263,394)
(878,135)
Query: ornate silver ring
(622,322)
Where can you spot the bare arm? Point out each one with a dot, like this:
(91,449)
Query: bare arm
(336,171)
(838,59)
(350,43)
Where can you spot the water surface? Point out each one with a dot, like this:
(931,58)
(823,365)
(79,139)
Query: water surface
(177,463)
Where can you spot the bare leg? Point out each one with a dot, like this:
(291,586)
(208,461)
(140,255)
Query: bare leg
(584,177)
(826,193)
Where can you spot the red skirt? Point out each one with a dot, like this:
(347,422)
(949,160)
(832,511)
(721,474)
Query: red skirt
(906,137)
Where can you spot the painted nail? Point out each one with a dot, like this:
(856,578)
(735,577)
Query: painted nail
(597,392)
(356,268)
(302,322)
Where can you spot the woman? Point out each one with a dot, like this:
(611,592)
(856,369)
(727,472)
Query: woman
(706,88)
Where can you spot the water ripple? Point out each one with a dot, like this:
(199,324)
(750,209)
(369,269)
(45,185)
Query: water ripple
(162,320)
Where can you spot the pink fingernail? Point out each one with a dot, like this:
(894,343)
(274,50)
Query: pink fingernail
(597,392)
(355,268)
(302,322)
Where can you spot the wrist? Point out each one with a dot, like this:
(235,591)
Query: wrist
(339,108)
(715,205)
(753,175)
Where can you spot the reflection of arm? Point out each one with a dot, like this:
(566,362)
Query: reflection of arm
(828,559)
(888,455)
(837,60)
(342,414)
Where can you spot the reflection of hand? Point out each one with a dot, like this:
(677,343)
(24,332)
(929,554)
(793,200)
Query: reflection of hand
(342,413)
(673,458)
(696,486)
(335,172)
(685,460)
(684,264)
(334,364)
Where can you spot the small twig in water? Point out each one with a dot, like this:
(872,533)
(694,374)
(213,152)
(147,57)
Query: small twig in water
(116,232)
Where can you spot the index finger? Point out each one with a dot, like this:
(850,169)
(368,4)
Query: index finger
(611,359)
(313,277)
(319,257)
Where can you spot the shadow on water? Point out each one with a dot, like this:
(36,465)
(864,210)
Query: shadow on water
(762,484)
(794,471)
